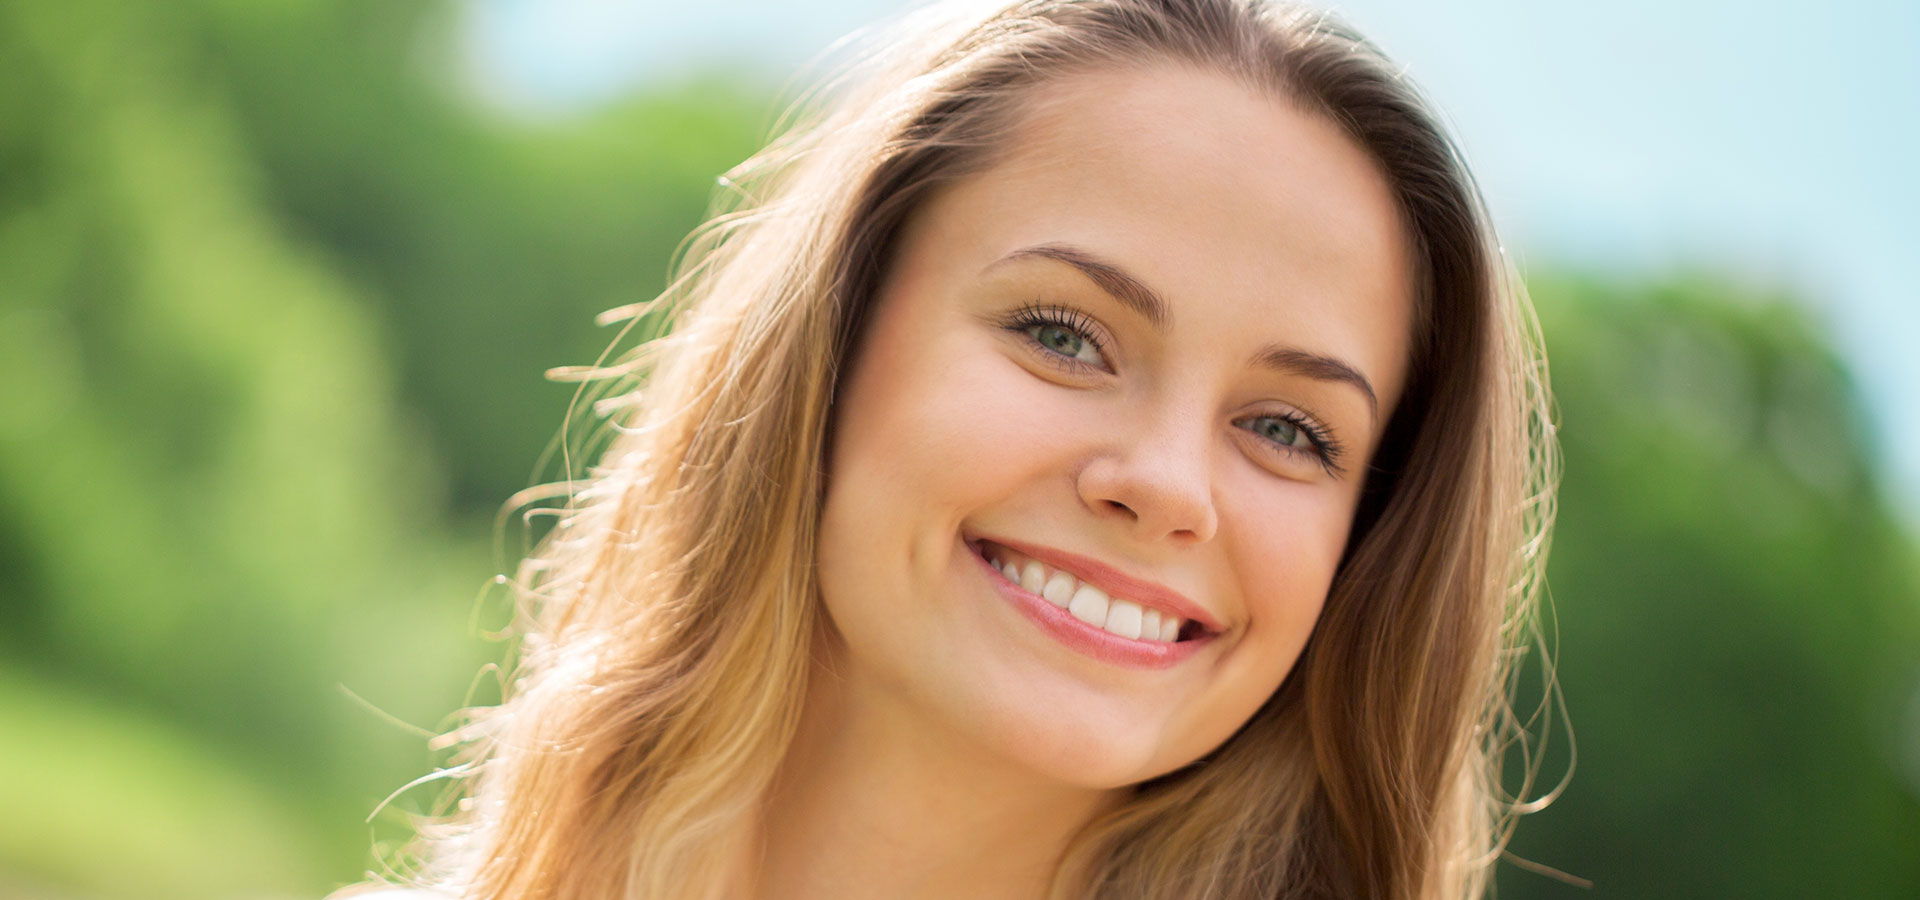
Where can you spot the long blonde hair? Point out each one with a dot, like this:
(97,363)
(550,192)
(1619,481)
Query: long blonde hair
(665,620)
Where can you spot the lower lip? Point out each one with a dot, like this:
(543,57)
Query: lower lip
(1097,643)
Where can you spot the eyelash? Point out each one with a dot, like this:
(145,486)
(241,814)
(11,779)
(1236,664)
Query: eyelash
(1327,449)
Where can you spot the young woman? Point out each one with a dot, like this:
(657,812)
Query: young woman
(1102,453)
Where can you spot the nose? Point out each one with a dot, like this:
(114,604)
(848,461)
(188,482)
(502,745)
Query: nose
(1156,480)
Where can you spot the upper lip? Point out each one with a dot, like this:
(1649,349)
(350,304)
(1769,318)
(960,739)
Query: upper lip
(1115,582)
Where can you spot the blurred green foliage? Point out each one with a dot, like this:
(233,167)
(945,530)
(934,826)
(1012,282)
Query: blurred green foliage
(275,297)
(1738,608)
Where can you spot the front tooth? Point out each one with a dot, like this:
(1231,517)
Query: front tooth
(1059,589)
(1170,627)
(1034,577)
(1123,619)
(1089,605)
(1150,624)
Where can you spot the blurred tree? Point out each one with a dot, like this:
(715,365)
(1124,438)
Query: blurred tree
(1739,633)
(486,244)
(214,510)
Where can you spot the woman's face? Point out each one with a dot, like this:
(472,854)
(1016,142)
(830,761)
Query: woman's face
(1114,362)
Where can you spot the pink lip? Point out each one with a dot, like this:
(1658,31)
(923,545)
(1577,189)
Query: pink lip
(1115,582)
(1097,643)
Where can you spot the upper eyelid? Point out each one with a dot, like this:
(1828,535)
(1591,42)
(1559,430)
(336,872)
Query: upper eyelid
(1074,316)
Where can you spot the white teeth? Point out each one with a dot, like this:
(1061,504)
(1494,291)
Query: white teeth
(1123,619)
(1033,577)
(1089,605)
(1059,589)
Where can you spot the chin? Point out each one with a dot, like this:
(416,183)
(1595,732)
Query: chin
(1073,761)
(1061,731)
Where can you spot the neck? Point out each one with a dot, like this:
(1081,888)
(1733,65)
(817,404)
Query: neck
(873,800)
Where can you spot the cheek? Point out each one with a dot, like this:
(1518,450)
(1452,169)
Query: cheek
(954,427)
(1289,548)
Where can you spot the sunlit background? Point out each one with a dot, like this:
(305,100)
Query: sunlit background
(279,280)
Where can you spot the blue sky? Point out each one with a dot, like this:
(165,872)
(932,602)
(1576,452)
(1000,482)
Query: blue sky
(1776,141)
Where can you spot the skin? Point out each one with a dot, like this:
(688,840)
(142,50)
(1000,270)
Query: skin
(949,747)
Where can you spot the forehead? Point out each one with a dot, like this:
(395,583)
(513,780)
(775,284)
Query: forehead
(1240,208)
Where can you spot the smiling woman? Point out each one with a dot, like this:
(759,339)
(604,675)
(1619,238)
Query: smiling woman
(1102,454)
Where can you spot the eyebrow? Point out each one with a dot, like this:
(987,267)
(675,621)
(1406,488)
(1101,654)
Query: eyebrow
(1135,295)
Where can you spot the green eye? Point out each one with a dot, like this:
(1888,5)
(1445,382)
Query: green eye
(1282,431)
(1059,339)
(1061,333)
(1295,435)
